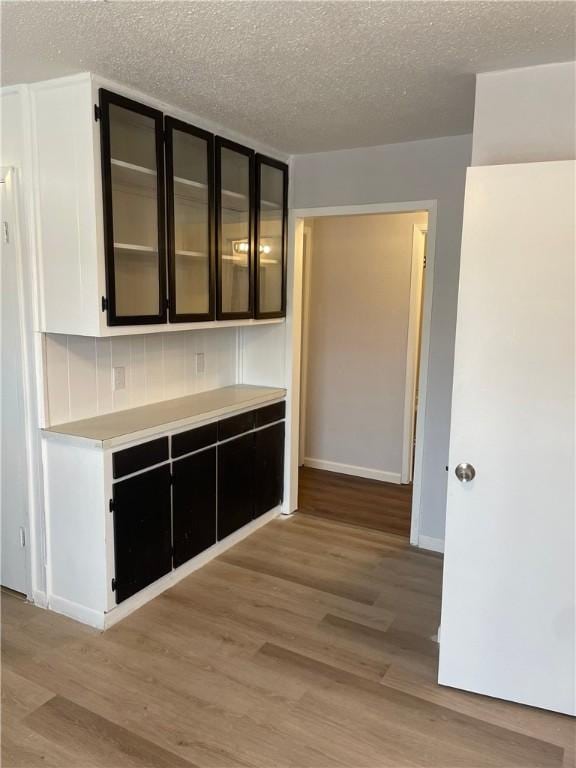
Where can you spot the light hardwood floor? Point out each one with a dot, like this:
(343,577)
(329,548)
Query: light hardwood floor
(306,645)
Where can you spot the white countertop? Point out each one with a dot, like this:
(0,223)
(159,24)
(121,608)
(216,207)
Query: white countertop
(119,427)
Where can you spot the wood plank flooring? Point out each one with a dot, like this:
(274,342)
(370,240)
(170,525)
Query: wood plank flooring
(307,645)
(354,500)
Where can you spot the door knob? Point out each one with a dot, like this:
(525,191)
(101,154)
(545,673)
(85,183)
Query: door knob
(465,472)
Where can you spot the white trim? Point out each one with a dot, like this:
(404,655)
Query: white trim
(104,620)
(426,325)
(11,178)
(293,360)
(76,611)
(306,293)
(294,339)
(412,350)
(428,542)
(349,469)
(24,176)
(363,210)
(39,598)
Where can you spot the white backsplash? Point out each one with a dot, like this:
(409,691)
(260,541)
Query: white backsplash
(158,366)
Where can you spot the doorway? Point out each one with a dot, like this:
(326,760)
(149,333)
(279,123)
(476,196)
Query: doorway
(384,456)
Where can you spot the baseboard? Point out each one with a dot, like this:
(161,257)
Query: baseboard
(149,593)
(39,598)
(350,469)
(76,611)
(104,620)
(428,542)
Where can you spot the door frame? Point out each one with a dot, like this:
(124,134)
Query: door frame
(412,354)
(306,292)
(294,340)
(9,179)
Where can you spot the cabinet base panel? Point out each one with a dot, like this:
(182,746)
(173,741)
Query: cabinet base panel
(76,611)
(104,620)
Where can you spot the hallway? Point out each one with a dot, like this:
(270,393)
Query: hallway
(370,504)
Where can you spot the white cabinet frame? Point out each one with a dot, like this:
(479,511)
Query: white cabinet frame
(67,190)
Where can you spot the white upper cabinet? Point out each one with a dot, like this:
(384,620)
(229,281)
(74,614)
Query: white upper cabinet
(127,216)
(68,207)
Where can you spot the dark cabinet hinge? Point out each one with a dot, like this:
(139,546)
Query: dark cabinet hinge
(97,112)
(114,585)
(111,505)
(104,304)
(167,304)
(171,478)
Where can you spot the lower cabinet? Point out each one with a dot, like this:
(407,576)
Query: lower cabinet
(142,530)
(269,462)
(236,484)
(214,480)
(193,505)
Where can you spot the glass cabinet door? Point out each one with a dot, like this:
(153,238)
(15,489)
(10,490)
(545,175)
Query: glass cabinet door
(189,204)
(234,229)
(133,188)
(271,232)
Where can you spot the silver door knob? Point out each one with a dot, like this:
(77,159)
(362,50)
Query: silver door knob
(465,472)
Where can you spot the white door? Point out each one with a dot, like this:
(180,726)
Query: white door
(13,456)
(509,596)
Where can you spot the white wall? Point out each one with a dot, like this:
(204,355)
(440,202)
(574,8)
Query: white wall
(525,115)
(14,496)
(13,153)
(359,302)
(421,170)
(158,366)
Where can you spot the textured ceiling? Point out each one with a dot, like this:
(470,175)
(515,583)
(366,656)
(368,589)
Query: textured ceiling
(298,76)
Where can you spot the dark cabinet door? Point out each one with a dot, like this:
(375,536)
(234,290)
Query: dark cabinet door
(132,149)
(269,468)
(236,484)
(142,530)
(271,227)
(190,219)
(194,505)
(234,173)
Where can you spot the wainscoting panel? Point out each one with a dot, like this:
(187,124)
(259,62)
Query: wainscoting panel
(158,366)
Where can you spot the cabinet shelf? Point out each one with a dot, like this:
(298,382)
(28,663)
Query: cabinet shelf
(198,192)
(192,254)
(128,174)
(195,192)
(238,260)
(234,195)
(135,248)
(234,202)
(190,183)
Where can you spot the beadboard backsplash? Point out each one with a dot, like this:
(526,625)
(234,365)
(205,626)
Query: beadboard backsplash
(158,366)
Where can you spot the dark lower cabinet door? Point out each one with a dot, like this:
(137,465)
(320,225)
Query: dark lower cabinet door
(194,505)
(142,530)
(269,468)
(235,484)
